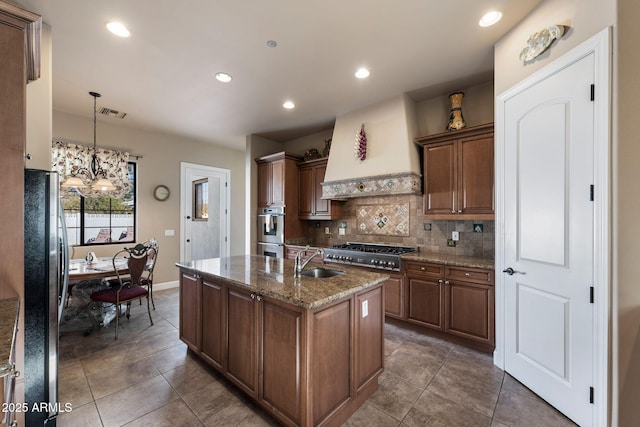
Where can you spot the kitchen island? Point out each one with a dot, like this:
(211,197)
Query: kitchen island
(307,350)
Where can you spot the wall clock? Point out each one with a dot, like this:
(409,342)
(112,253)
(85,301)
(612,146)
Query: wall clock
(161,192)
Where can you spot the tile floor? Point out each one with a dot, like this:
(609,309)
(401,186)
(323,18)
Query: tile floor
(147,378)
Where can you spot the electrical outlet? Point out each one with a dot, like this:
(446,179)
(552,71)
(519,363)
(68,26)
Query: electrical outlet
(365,308)
(455,236)
(342,231)
(169,233)
(326,230)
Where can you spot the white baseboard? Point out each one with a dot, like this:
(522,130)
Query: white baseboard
(165,285)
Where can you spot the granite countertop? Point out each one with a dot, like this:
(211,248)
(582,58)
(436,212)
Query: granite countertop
(9,309)
(447,259)
(273,277)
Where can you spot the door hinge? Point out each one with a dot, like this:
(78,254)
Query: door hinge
(225,238)
(225,212)
(593,92)
(591,394)
(591,296)
(226,184)
(591,190)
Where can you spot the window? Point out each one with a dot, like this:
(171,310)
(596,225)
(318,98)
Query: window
(101,220)
(201,199)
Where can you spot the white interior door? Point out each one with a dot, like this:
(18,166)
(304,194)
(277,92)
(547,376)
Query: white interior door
(205,212)
(549,238)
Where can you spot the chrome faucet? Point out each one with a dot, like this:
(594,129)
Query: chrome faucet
(300,264)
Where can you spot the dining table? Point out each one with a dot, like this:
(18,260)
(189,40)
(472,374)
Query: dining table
(80,270)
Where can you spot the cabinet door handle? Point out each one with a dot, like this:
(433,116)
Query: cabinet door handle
(253,296)
(440,282)
(446,282)
(467,274)
(423,269)
(258,298)
(459,210)
(453,211)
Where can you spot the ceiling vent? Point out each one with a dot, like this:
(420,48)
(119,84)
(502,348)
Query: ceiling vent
(111,113)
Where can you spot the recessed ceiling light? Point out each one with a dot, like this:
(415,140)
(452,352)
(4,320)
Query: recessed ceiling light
(223,77)
(272,43)
(289,105)
(490,18)
(362,73)
(118,29)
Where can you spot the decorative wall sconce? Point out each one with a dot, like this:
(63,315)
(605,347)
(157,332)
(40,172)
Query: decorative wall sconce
(540,41)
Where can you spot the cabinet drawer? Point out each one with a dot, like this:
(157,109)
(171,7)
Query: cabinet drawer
(475,275)
(424,269)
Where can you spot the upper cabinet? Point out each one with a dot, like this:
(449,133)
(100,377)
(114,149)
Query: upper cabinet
(311,204)
(458,174)
(278,180)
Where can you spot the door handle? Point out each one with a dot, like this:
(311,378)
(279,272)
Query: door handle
(510,271)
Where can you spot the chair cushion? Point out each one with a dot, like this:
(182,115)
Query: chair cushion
(111,295)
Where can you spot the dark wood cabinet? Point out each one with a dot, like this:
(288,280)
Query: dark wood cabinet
(458,174)
(213,323)
(425,294)
(311,204)
(394,296)
(278,180)
(190,322)
(282,356)
(304,366)
(271,183)
(470,304)
(369,364)
(457,301)
(242,339)
(278,186)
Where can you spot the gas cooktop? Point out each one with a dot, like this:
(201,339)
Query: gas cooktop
(368,254)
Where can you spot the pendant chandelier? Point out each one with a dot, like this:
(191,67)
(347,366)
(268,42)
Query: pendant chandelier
(94,172)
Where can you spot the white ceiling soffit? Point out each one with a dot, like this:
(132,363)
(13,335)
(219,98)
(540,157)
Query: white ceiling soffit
(163,74)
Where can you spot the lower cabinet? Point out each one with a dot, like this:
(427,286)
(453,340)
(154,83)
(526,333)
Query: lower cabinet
(470,304)
(305,367)
(458,301)
(425,295)
(394,296)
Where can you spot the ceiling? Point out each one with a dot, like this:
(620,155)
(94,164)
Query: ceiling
(162,76)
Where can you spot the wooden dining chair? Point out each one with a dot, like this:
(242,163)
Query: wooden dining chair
(127,287)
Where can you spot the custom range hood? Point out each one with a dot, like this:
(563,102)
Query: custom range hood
(392,163)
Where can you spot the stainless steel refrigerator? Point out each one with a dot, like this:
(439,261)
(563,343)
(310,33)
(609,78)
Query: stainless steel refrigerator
(45,285)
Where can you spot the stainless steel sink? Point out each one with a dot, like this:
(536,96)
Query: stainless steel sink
(320,273)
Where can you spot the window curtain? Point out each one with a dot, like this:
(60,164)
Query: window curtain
(75,160)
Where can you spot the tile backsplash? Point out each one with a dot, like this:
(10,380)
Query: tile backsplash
(427,234)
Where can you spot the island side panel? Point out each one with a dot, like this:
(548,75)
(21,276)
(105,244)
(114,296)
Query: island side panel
(242,340)
(213,323)
(369,337)
(331,360)
(190,310)
(283,359)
